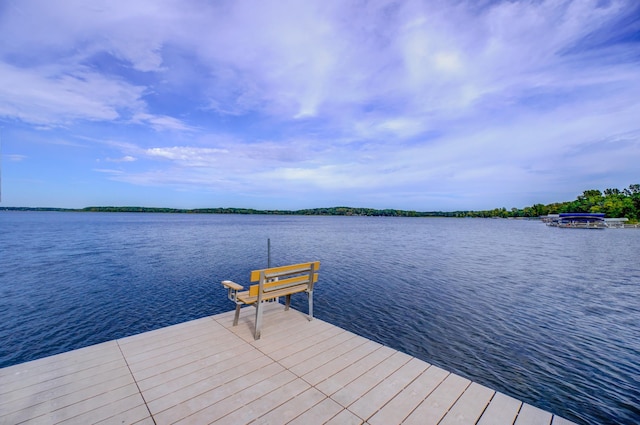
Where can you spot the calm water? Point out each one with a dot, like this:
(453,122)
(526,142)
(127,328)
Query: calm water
(549,316)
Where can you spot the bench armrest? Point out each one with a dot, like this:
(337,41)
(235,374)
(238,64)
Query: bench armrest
(232,285)
(232,290)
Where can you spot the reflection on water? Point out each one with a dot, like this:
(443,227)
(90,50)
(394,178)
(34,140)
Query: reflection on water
(549,316)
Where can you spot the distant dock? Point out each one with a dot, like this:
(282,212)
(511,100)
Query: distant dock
(205,371)
(587,221)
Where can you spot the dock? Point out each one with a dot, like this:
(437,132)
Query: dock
(205,371)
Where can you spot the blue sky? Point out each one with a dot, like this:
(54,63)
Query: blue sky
(422,105)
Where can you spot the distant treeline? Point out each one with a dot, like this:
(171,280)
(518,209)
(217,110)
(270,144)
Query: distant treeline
(313,211)
(613,202)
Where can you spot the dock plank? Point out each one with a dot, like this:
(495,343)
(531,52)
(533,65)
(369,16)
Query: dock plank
(237,401)
(381,394)
(293,408)
(360,386)
(438,403)
(254,409)
(347,342)
(193,398)
(469,406)
(303,358)
(502,410)
(336,382)
(406,401)
(338,364)
(41,392)
(531,415)
(63,365)
(321,413)
(207,371)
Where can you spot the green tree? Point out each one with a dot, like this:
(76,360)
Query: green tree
(633,193)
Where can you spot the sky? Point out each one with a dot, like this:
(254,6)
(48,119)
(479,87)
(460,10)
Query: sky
(434,105)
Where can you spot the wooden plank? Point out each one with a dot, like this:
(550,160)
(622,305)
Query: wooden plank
(36,372)
(130,410)
(57,387)
(303,361)
(287,282)
(341,379)
(253,409)
(282,325)
(166,361)
(224,406)
(344,418)
(235,378)
(293,268)
(278,324)
(337,365)
(381,394)
(173,341)
(58,361)
(303,343)
(557,420)
(318,414)
(502,410)
(469,406)
(100,407)
(151,339)
(357,388)
(330,354)
(171,384)
(275,292)
(235,350)
(438,403)
(181,342)
(206,362)
(530,415)
(293,408)
(28,408)
(138,415)
(401,406)
(174,410)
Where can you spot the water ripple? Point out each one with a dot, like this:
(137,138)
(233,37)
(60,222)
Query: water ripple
(548,316)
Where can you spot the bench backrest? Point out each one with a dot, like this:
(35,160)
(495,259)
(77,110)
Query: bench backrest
(282,277)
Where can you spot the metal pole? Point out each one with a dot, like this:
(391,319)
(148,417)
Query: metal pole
(0,164)
(268,253)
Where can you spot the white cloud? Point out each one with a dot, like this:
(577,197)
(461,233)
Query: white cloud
(126,158)
(48,95)
(15,157)
(109,171)
(161,122)
(190,156)
(404,97)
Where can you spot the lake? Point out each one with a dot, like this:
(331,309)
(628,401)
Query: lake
(549,316)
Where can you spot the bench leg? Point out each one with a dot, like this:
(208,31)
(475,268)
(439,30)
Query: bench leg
(235,319)
(258,320)
(310,295)
(287,302)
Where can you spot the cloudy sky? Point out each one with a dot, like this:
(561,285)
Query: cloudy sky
(423,105)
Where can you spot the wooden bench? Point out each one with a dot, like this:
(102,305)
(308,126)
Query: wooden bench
(274,283)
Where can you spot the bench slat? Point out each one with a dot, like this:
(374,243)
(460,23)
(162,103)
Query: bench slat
(247,298)
(282,283)
(284,270)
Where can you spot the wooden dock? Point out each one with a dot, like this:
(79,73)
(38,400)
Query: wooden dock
(206,371)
